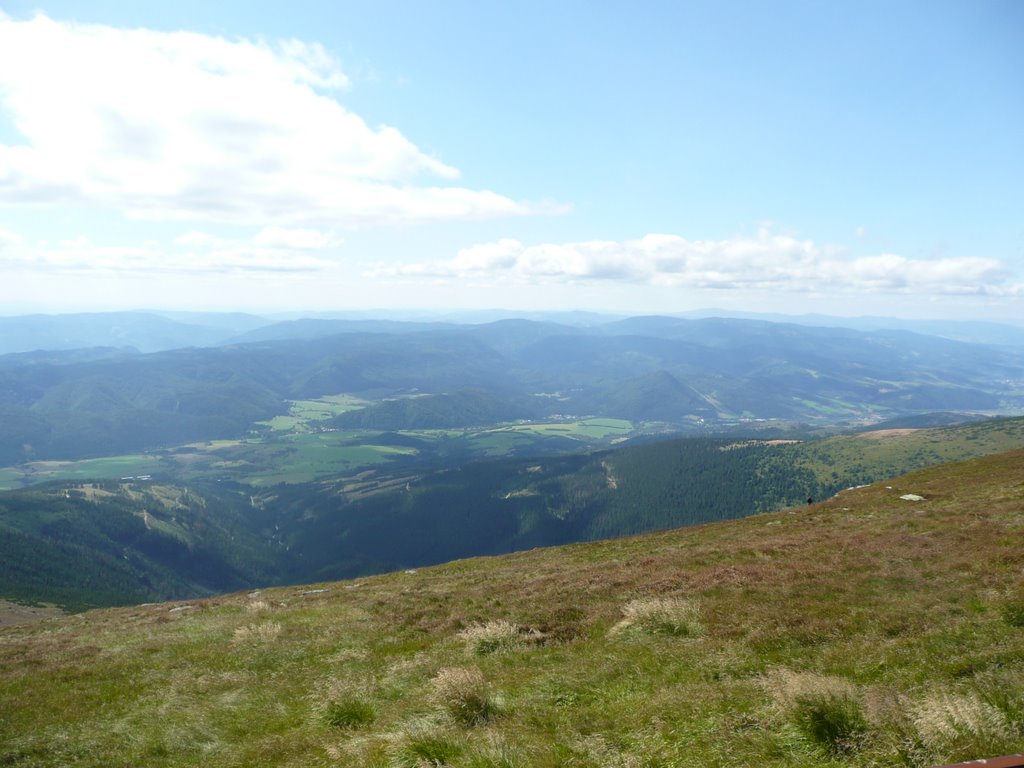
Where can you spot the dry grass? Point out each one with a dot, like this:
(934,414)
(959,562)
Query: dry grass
(490,637)
(257,606)
(498,635)
(827,710)
(464,694)
(673,616)
(945,721)
(264,632)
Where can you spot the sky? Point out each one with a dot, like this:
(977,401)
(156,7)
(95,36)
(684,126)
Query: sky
(845,158)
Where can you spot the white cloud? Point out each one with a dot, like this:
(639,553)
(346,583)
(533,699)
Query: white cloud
(192,253)
(294,238)
(8,240)
(767,261)
(179,125)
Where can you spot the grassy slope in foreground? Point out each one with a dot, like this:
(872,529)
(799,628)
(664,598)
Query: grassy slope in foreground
(866,630)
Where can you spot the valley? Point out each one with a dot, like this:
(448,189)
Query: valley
(293,510)
(334,449)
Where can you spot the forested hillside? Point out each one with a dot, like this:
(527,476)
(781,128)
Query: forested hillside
(90,544)
(114,542)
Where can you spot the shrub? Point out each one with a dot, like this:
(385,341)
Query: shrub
(464,694)
(673,616)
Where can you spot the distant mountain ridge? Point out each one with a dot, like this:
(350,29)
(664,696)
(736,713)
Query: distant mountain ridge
(78,403)
(139,331)
(154,331)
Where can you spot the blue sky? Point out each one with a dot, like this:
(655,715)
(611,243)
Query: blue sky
(845,158)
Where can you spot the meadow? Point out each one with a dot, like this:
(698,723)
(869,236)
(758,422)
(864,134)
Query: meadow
(868,630)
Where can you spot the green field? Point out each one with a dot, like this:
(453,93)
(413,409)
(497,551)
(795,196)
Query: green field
(301,455)
(557,436)
(592,429)
(106,468)
(303,414)
(295,458)
(307,457)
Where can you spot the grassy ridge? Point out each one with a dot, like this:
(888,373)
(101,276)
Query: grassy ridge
(867,630)
(853,459)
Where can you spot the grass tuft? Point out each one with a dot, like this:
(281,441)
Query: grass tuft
(1013,609)
(827,710)
(496,754)
(350,713)
(496,636)
(950,723)
(674,616)
(264,632)
(1004,690)
(424,745)
(257,606)
(464,694)
(834,722)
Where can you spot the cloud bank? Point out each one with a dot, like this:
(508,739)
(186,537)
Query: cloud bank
(272,249)
(184,126)
(767,261)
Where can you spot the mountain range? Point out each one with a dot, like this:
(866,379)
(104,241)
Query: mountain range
(687,374)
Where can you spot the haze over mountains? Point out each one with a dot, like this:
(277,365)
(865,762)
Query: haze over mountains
(93,392)
(154,331)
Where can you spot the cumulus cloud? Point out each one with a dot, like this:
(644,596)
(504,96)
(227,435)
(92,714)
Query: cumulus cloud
(179,125)
(767,261)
